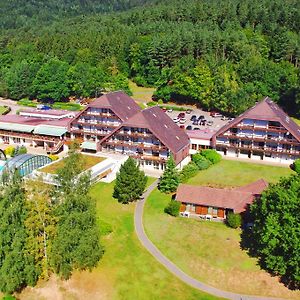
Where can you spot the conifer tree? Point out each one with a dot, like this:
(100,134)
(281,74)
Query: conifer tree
(169,181)
(77,241)
(17,267)
(130,182)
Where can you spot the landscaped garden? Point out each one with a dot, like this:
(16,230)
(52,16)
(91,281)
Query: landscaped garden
(126,271)
(210,251)
(89,161)
(236,173)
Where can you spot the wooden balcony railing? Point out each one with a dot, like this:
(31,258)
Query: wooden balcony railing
(137,145)
(261,128)
(33,137)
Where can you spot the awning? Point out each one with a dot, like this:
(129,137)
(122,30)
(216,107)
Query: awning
(49,130)
(89,146)
(16,127)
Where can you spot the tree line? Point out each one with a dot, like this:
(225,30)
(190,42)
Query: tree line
(45,230)
(221,55)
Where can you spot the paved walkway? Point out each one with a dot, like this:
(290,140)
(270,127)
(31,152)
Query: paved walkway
(139,228)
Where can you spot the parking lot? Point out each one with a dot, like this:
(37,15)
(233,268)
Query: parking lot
(214,123)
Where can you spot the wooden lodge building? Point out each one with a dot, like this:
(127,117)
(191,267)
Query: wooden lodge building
(263,132)
(217,203)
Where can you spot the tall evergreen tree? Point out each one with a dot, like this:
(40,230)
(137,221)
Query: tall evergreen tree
(77,242)
(130,182)
(169,181)
(17,267)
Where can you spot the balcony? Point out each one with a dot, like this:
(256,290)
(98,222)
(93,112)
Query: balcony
(265,128)
(33,137)
(137,145)
(134,134)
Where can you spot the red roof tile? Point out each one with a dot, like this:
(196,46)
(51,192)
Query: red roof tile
(266,110)
(120,103)
(236,199)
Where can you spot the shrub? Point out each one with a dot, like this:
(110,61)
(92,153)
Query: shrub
(151,103)
(234,220)
(296,166)
(172,208)
(105,228)
(188,171)
(27,102)
(201,162)
(10,151)
(8,297)
(53,157)
(212,155)
(21,150)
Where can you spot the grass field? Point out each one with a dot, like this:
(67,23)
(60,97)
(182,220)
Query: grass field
(208,251)
(126,271)
(89,161)
(296,120)
(141,94)
(236,173)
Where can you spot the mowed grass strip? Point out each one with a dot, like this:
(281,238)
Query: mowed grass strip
(140,93)
(88,162)
(208,251)
(235,173)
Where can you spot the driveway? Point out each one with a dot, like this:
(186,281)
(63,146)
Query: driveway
(139,229)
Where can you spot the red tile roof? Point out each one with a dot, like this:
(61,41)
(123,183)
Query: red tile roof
(266,110)
(161,125)
(236,199)
(16,119)
(120,103)
(204,134)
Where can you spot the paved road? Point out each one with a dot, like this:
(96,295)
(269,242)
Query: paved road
(139,228)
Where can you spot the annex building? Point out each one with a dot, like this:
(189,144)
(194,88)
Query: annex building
(263,132)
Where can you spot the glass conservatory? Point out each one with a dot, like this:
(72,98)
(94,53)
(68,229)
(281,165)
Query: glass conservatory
(26,163)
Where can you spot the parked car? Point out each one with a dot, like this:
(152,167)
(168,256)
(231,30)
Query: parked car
(181,126)
(201,117)
(215,114)
(188,111)
(164,109)
(169,110)
(210,123)
(202,122)
(196,128)
(182,120)
(193,118)
(195,122)
(176,120)
(189,127)
(181,115)
(224,118)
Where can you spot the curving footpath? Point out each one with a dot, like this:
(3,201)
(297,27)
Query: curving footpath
(139,228)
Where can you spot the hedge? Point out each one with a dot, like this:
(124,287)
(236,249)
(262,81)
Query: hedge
(212,155)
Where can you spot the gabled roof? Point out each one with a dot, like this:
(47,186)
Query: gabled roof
(120,103)
(236,199)
(161,125)
(266,110)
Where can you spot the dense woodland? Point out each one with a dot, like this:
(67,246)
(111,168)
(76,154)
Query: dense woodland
(222,55)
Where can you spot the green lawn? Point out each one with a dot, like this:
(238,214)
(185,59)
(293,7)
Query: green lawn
(126,271)
(140,93)
(208,251)
(297,121)
(236,173)
(89,161)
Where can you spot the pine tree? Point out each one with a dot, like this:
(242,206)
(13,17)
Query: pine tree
(169,181)
(130,182)
(77,242)
(17,267)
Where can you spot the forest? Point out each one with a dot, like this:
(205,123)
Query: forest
(222,55)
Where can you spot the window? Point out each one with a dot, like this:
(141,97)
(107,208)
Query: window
(194,146)
(215,211)
(210,210)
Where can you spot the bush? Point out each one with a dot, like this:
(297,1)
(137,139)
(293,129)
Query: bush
(53,157)
(296,166)
(105,228)
(234,220)
(8,297)
(21,150)
(188,171)
(212,155)
(200,161)
(67,106)
(10,151)
(172,208)
(27,102)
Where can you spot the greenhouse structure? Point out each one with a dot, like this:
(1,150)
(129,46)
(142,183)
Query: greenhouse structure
(25,163)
